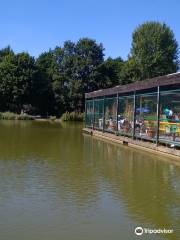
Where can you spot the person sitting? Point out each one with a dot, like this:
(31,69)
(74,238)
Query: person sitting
(175,117)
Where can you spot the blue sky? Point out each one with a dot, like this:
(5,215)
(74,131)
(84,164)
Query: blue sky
(37,25)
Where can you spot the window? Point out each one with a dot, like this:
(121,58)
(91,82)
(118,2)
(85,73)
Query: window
(98,113)
(146,116)
(110,114)
(89,113)
(125,115)
(169,125)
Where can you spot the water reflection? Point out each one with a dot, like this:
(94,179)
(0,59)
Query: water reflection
(149,186)
(59,184)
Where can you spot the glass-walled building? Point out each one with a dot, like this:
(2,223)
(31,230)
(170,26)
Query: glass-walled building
(146,116)
(125,115)
(98,113)
(169,118)
(148,110)
(110,114)
(89,117)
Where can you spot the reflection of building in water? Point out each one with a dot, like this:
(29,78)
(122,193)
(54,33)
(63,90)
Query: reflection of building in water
(149,188)
(147,185)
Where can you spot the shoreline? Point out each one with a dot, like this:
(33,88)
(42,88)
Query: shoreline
(174,154)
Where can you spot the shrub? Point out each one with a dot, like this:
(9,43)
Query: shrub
(73,116)
(15,116)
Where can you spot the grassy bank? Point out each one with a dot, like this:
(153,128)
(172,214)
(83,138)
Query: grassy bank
(67,116)
(15,116)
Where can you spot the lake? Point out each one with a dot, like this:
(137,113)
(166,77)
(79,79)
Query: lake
(58,184)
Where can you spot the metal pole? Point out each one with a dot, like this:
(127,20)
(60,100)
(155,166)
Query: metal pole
(134,115)
(117,108)
(85,113)
(158,110)
(103,113)
(93,114)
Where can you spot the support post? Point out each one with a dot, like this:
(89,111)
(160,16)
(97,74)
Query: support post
(103,113)
(93,114)
(117,107)
(134,115)
(158,110)
(85,113)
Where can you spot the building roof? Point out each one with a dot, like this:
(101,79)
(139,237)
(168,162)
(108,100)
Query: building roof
(170,79)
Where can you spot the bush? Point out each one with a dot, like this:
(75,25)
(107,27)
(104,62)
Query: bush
(73,116)
(15,116)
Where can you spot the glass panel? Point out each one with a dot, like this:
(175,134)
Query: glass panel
(146,116)
(89,113)
(110,114)
(169,125)
(98,113)
(125,115)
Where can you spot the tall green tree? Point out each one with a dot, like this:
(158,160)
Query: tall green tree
(42,94)
(88,56)
(65,68)
(7,51)
(74,72)
(109,73)
(154,50)
(16,77)
(130,72)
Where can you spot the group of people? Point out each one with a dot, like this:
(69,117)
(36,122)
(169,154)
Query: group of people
(168,114)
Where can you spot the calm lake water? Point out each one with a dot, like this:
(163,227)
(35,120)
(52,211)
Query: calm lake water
(58,184)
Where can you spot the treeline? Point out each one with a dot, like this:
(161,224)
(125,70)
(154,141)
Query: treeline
(56,81)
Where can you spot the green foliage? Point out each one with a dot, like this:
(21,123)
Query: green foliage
(42,93)
(57,80)
(16,77)
(154,50)
(130,72)
(73,116)
(109,73)
(14,116)
(70,71)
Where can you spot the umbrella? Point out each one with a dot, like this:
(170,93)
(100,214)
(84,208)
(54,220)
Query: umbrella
(142,110)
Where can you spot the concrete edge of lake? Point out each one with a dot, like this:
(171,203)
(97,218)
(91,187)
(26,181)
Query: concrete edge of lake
(170,153)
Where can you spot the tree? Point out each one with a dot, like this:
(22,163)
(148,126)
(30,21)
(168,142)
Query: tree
(42,94)
(88,56)
(109,73)
(16,76)
(129,72)
(7,77)
(65,68)
(154,50)
(74,72)
(7,51)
